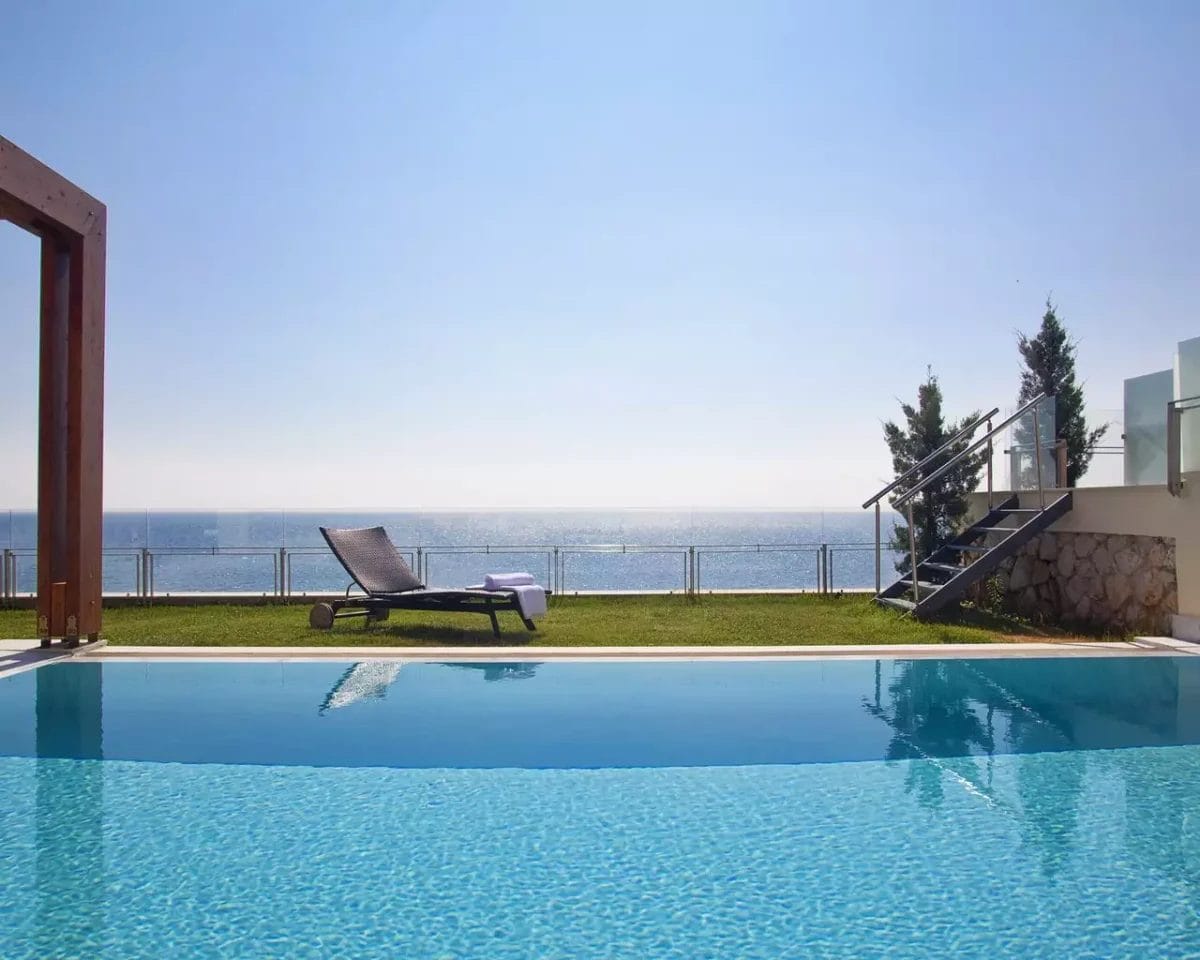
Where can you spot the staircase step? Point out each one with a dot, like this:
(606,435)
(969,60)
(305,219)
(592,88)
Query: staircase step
(898,603)
(994,529)
(1019,510)
(947,567)
(925,585)
(965,548)
(983,560)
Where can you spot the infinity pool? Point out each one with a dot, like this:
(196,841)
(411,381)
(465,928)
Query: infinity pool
(842,808)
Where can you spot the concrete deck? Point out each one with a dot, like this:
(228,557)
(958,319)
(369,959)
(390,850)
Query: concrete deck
(19,655)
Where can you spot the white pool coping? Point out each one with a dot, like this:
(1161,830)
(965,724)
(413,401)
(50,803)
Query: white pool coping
(19,655)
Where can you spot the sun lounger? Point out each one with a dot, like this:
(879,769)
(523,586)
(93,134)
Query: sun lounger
(388,583)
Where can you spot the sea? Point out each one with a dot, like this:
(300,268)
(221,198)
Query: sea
(584,551)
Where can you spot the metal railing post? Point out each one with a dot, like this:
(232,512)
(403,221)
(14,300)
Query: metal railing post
(145,573)
(912,548)
(990,454)
(1037,457)
(1174,450)
(878,574)
(5,590)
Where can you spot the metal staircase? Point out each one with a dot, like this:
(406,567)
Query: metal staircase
(945,575)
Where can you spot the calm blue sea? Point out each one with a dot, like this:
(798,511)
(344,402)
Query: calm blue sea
(959,809)
(198,551)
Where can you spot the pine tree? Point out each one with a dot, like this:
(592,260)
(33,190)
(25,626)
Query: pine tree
(939,508)
(1049,367)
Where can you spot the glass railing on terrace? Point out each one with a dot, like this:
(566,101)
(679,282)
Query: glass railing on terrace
(1025,456)
(1183,442)
(1017,459)
(277,553)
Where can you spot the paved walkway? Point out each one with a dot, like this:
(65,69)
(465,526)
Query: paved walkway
(19,655)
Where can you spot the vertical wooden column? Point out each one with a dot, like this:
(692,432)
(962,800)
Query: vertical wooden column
(85,433)
(72,226)
(71,436)
(52,438)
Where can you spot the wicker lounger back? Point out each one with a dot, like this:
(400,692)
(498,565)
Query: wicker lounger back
(371,558)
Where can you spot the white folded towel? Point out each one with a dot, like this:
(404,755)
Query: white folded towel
(502,581)
(531,598)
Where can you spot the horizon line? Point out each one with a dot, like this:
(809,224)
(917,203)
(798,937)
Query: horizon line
(467,509)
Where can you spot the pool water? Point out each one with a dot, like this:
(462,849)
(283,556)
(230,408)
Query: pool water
(928,808)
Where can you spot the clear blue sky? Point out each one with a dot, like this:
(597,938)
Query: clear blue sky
(591,254)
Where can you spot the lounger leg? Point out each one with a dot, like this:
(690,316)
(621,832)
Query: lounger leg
(529,624)
(495,622)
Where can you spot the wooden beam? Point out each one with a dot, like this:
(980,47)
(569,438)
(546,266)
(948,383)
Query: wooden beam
(47,198)
(73,227)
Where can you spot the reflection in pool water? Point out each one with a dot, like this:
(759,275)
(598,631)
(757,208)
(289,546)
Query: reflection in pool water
(956,808)
(615,714)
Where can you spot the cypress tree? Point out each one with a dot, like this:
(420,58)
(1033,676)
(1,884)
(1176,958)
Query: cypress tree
(1048,366)
(939,509)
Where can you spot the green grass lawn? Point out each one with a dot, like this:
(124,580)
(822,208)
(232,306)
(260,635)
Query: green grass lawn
(572,622)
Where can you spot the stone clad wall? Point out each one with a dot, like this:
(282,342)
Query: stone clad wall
(1145,513)
(1113,582)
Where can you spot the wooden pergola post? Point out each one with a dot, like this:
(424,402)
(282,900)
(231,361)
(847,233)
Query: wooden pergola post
(72,226)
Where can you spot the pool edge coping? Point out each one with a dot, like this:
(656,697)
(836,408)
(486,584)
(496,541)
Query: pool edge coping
(1140,646)
(30,657)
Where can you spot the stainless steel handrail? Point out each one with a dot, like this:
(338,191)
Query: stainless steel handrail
(958,457)
(964,432)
